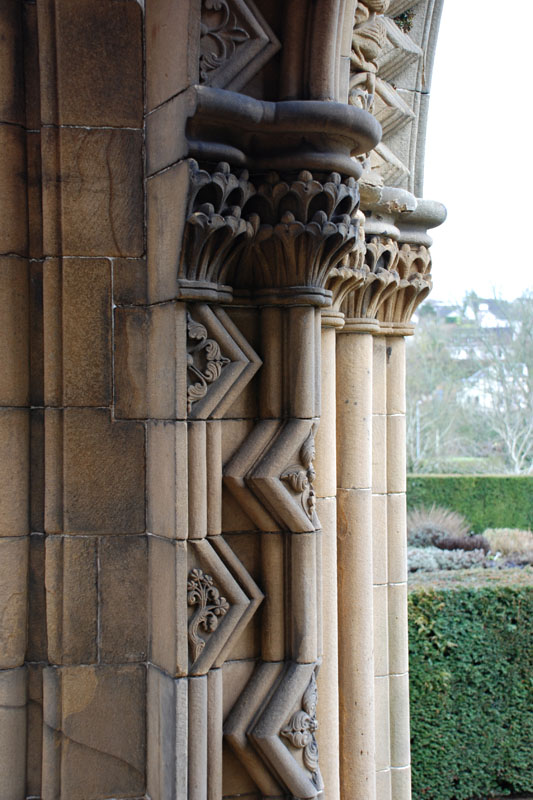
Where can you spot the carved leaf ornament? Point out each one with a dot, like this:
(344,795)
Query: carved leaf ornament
(300,731)
(275,234)
(300,477)
(202,592)
(219,36)
(214,361)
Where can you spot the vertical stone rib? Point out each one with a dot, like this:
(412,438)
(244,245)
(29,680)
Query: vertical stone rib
(397,571)
(354,510)
(326,489)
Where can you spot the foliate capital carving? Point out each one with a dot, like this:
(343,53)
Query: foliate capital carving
(266,235)
(415,283)
(215,231)
(381,280)
(352,271)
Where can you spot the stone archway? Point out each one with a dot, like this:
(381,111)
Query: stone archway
(208,268)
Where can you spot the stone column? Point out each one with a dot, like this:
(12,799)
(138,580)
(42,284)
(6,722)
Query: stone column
(413,266)
(354,532)
(326,490)
(340,282)
(14,406)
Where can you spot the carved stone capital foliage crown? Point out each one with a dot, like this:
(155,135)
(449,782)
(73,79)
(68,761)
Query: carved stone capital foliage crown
(266,233)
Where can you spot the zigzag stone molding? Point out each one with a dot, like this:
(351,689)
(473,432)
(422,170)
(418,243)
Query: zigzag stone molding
(222,598)
(271,476)
(271,729)
(220,362)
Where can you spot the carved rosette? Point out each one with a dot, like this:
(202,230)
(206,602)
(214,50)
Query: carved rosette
(205,362)
(202,592)
(300,731)
(300,477)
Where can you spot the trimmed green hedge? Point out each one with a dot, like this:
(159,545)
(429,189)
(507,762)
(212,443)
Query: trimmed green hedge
(471,684)
(487,501)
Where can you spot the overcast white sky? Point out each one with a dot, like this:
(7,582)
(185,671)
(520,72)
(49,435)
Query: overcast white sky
(479,154)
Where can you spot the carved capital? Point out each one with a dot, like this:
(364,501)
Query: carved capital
(380,281)
(415,282)
(267,235)
(215,231)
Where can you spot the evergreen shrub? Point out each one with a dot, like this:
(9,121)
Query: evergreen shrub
(487,501)
(471,684)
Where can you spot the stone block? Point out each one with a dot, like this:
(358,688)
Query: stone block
(379,375)
(14,471)
(381,631)
(354,393)
(401,783)
(77,332)
(130,281)
(14,332)
(13,733)
(13,600)
(398,646)
(167,701)
(396,469)
(93,732)
(379,454)
(37,642)
(151,362)
(14,228)
(86,307)
(383,784)
(92,192)
(123,579)
(381,700)
(71,575)
(397,537)
(11,63)
(399,720)
(395,375)
(165,218)
(94,473)
(166,479)
(99,65)
(169,648)
(379,538)
(170,69)
(166,142)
